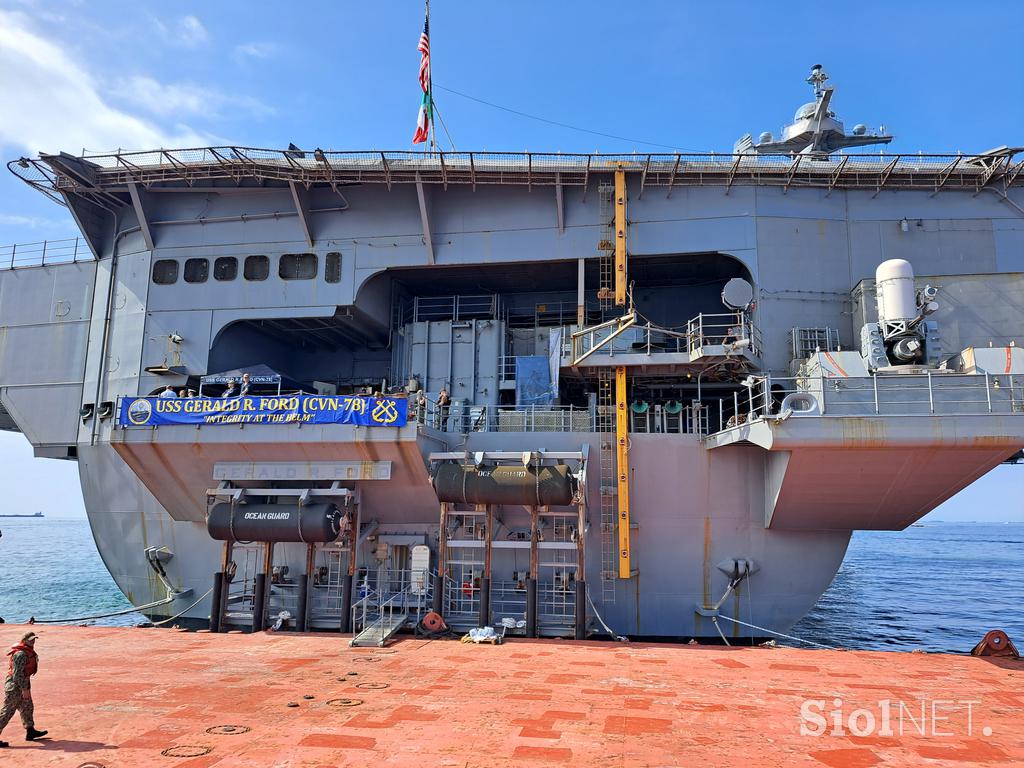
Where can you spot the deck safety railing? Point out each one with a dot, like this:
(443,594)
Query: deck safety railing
(507,368)
(926,394)
(729,329)
(462,418)
(389,594)
(845,171)
(44,252)
(733,330)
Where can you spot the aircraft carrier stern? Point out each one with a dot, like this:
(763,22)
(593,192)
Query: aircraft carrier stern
(567,394)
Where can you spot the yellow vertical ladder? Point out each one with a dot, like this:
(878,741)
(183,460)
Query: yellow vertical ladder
(620,238)
(621,404)
(622,470)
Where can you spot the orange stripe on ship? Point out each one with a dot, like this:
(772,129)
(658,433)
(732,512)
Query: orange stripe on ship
(832,360)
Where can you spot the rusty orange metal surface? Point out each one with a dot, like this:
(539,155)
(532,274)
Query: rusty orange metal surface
(139,697)
(996,643)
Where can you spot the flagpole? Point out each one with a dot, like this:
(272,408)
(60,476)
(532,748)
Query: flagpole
(430,86)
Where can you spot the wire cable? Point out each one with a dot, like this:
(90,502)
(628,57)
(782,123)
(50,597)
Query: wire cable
(600,621)
(182,613)
(443,126)
(560,124)
(134,609)
(777,634)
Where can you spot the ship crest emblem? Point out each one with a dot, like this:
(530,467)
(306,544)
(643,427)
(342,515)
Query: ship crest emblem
(140,412)
(385,412)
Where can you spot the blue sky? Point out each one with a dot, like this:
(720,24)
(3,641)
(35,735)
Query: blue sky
(681,75)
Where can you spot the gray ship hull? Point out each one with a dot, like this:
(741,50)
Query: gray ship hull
(692,513)
(370,270)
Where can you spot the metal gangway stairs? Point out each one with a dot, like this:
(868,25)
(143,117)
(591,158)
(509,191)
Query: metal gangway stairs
(385,609)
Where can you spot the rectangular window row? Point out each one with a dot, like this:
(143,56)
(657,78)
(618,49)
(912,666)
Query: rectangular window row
(290,266)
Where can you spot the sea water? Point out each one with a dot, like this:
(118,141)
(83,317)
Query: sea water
(938,587)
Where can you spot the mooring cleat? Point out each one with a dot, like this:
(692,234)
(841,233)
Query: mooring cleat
(32,734)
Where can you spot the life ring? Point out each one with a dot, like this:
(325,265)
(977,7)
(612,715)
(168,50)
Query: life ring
(467,588)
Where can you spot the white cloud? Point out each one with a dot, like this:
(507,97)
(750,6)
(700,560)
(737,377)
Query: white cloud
(255,50)
(190,32)
(32,222)
(52,102)
(180,99)
(186,32)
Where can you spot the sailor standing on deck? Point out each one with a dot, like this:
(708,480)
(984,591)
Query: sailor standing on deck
(18,687)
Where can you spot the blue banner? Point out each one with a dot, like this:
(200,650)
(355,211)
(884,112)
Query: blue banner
(533,381)
(283,409)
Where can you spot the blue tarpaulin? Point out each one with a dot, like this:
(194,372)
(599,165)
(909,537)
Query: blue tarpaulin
(533,381)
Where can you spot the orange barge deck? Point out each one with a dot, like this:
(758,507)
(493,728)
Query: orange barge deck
(130,697)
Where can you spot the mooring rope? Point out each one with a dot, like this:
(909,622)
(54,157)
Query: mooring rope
(134,609)
(179,615)
(600,621)
(777,634)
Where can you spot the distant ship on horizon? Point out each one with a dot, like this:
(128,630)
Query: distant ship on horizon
(36,514)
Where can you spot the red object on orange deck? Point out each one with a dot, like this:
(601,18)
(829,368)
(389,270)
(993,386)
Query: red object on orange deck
(433,622)
(996,643)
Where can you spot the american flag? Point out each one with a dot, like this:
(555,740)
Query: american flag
(424,49)
(423,118)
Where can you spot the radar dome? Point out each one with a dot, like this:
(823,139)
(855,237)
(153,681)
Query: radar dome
(807,110)
(860,129)
(765,137)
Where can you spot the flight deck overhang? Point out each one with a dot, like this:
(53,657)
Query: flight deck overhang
(871,472)
(107,181)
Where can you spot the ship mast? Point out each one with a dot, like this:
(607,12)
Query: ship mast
(430,85)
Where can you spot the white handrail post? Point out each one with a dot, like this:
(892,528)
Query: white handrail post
(988,393)
(874,386)
(931,398)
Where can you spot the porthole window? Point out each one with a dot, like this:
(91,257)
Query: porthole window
(165,271)
(197,270)
(297,266)
(256,267)
(332,268)
(225,268)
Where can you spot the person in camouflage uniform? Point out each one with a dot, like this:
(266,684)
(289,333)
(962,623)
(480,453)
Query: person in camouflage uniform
(18,687)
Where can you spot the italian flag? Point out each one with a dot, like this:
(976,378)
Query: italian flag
(422,121)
